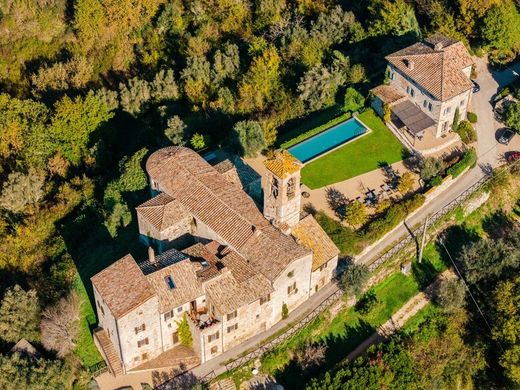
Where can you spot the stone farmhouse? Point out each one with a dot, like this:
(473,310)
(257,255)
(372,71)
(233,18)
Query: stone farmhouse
(428,82)
(214,258)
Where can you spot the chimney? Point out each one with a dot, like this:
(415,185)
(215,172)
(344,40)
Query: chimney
(151,255)
(438,46)
(410,64)
(256,231)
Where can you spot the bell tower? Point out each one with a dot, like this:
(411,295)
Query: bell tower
(282,195)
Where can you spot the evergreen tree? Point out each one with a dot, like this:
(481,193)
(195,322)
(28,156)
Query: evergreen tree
(248,138)
(19,315)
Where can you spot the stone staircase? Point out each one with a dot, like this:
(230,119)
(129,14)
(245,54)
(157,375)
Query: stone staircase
(108,351)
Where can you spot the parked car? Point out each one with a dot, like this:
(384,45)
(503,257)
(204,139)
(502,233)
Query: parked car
(506,135)
(512,157)
(476,87)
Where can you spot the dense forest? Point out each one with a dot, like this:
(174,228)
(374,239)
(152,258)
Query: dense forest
(89,87)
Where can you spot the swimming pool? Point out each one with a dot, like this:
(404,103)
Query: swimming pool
(329,139)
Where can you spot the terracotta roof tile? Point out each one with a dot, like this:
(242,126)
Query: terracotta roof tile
(437,69)
(283,164)
(387,94)
(122,286)
(162,211)
(310,234)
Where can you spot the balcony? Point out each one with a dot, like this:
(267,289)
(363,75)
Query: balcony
(202,319)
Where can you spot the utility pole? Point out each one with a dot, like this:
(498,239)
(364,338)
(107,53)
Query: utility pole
(423,240)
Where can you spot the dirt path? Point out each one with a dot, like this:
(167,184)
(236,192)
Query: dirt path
(396,322)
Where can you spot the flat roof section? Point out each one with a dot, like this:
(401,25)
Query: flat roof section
(413,118)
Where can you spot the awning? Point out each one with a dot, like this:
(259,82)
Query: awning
(413,118)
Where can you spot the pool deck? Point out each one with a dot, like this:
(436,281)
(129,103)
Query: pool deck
(355,138)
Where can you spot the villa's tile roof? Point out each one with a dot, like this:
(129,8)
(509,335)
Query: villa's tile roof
(310,234)
(283,164)
(162,211)
(187,286)
(122,286)
(437,66)
(224,208)
(198,254)
(387,94)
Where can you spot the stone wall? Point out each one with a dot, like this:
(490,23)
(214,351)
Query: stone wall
(282,208)
(298,271)
(107,321)
(321,278)
(174,235)
(147,314)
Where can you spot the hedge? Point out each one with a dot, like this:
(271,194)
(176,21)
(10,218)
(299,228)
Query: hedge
(469,159)
(472,117)
(316,130)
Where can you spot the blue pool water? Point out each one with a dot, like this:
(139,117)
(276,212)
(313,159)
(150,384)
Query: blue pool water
(327,140)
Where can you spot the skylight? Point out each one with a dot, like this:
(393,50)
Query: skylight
(169,282)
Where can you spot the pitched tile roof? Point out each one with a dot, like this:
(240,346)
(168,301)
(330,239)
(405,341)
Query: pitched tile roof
(224,207)
(283,163)
(387,94)
(122,286)
(162,211)
(437,66)
(310,234)
(187,286)
(205,263)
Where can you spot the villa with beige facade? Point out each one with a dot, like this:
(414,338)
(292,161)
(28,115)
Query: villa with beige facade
(428,82)
(214,258)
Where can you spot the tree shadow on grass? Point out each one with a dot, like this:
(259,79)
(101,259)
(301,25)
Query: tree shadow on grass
(338,347)
(424,273)
(498,225)
(455,238)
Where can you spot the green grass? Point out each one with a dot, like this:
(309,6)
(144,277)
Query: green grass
(360,156)
(414,322)
(309,133)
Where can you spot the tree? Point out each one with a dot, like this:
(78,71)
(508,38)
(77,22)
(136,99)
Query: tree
(19,315)
(198,141)
(354,279)
(18,372)
(74,122)
(430,167)
(59,325)
(353,100)
(311,356)
(356,213)
(268,12)
(226,64)
(135,95)
(450,294)
(456,119)
(108,97)
(21,190)
(395,17)
(164,87)
(318,87)
(197,79)
(500,27)
(506,326)
(183,328)
(248,137)
(175,130)
(512,116)
(334,26)
(466,132)
(406,183)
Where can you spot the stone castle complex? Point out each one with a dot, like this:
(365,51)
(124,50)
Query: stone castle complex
(214,261)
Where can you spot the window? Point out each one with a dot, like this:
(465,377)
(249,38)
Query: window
(391,75)
(274,187)
(141,328)
(292,289)
(412,92)
(430,107)
(265,299)
(230,316)
(100,308)
(142,342)
(213,337)
(169,282)
(463,101)
(175,338)
(447,110)
(168,315)
(144,356)
(214,350)
(290,188)
(232,328)
(425,103)
(179,309)
(408,90)
(290,274)
(323,266)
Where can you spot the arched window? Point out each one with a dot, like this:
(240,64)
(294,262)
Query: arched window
(290,187)
(274,187)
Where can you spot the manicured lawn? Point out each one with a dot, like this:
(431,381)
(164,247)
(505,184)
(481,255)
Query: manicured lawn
(360,156)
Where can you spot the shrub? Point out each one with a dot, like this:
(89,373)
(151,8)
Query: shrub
(197,141)
(472,117)
(185,336)
(353,100)
(430,167)
(436,181)
(367,303)
(311,356)
(356,213)
(468,160)
(466,132)
(285,311)
(354,278)
(248,138)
